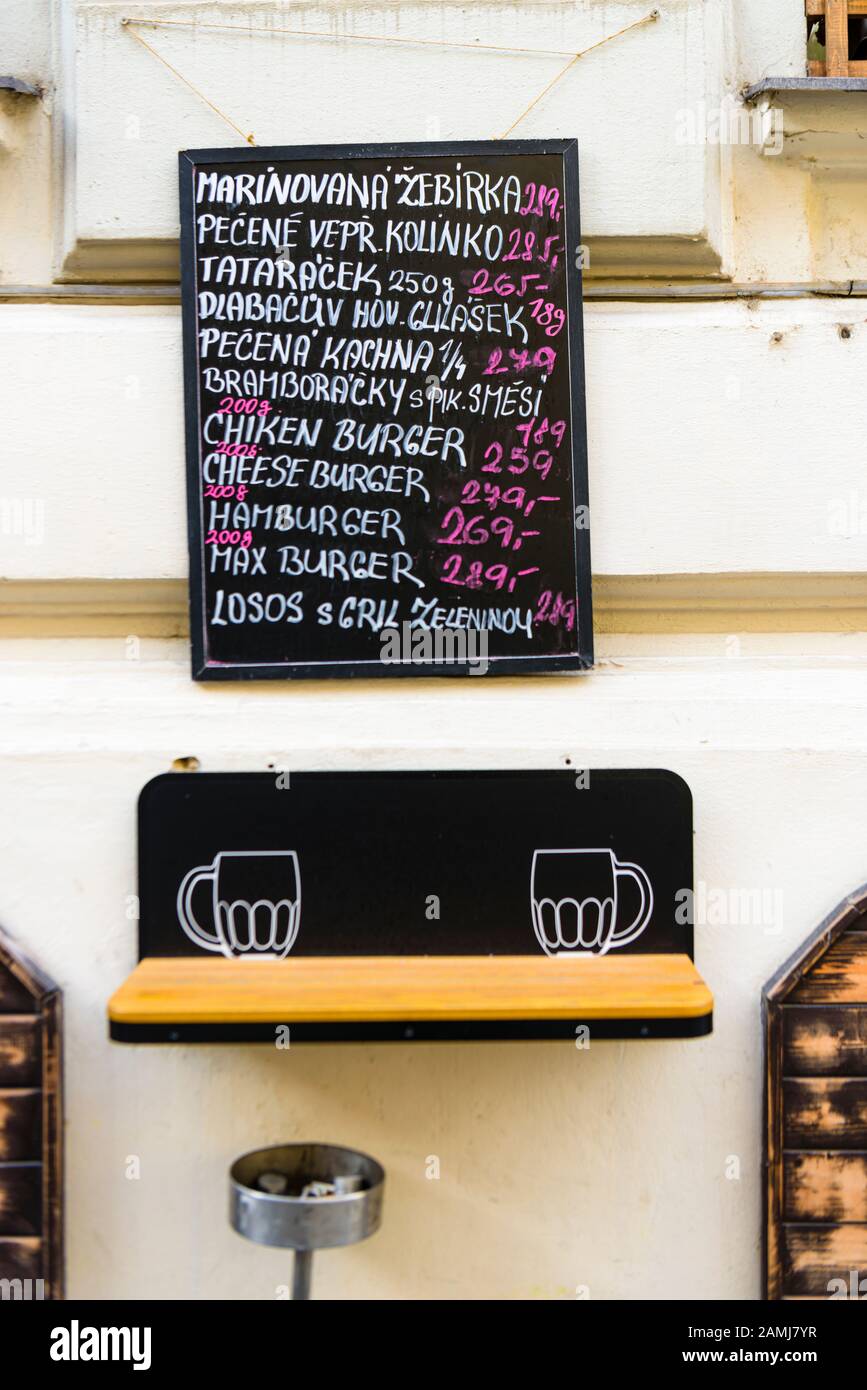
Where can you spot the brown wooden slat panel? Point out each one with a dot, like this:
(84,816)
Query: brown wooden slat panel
(840,976)
(817,69)
(815,1104)
(31,1122)
(14,998)
(821,1041)
(836,38)
(814,1255)
(849,941)
(20,1125)
(20,1199)
(20,1050)
(20,1257)
(825,1187)
(825,1114)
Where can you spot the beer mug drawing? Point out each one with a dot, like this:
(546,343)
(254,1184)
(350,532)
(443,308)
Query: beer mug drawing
(576,903)
(255,903)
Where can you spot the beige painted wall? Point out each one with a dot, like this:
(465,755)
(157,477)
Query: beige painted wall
(730,556)
(705,424)
(559,1168)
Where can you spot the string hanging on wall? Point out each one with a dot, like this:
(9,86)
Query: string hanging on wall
(132,24)
(127,23)
(647,19)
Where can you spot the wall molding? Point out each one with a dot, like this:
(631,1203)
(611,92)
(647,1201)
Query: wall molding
(132,259)
(707,603)
(595,291)
(662,603)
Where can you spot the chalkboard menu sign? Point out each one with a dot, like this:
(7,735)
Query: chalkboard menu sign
(386,456)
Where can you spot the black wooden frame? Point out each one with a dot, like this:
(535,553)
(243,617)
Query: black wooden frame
(573,662)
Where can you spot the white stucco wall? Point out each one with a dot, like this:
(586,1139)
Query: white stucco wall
(706,425)
(726,444)
(559,1168)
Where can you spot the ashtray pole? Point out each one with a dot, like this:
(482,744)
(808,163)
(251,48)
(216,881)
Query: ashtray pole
(302,1274)
(305,1197)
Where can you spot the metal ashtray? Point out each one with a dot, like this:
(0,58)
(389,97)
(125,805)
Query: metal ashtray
(305,1197)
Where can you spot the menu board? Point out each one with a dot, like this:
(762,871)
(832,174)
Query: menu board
(385,423)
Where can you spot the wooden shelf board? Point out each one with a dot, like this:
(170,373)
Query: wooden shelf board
(374,989)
